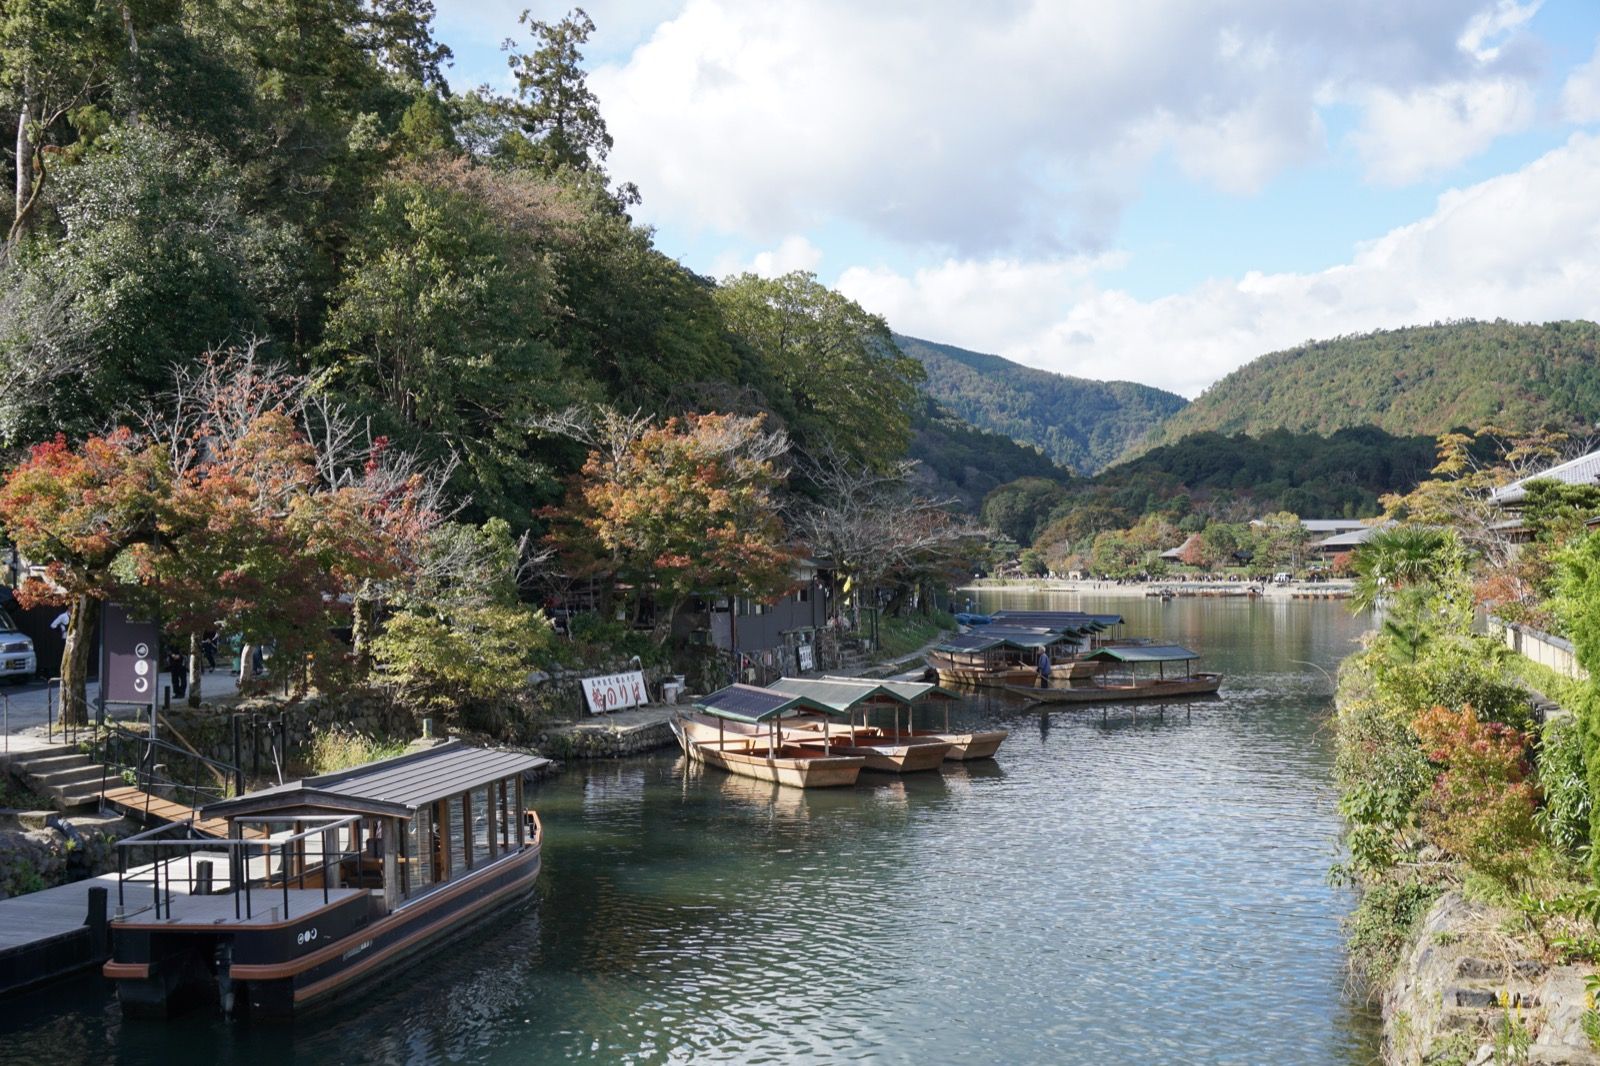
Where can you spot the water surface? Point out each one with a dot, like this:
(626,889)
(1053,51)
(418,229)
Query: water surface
(1147,886)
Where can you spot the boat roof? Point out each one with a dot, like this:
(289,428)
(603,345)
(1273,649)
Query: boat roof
(1144,653)
(397,786)
(968,643)
(839,694)
(901,691)
(1054,618)
(747,703)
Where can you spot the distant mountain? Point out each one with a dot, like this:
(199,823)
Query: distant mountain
(1083,425)
(1426,379)
(964,463)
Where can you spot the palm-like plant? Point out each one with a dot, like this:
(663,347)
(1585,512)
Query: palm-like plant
(1400,557)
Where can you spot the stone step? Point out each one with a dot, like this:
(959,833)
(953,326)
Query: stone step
(67,780)
(49,760)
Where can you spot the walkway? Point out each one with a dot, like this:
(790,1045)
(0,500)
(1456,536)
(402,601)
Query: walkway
(23,708)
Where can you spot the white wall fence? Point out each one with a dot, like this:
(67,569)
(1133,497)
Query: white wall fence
(1546,649)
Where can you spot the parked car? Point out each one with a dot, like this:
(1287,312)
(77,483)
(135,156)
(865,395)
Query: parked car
(18,662)
(1282,577)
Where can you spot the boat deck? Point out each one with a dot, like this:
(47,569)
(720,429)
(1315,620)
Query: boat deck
(266,903)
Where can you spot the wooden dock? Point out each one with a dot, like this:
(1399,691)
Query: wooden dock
(54,932)
(143,804)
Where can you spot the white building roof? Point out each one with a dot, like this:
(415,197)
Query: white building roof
(1584,470)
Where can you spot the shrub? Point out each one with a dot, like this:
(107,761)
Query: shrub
(337,749)
(1481,805)
(1381,772)
(1563,778)
(1381,925)
(475,654)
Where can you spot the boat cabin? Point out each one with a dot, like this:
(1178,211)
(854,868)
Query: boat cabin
(382,859)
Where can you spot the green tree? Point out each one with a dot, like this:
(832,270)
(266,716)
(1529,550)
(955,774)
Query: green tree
(158,261)
(1018,509)
(439,329)
(555,117)
(844,382)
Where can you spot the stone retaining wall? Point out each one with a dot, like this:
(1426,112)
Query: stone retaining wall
(1461,979)
(581,743)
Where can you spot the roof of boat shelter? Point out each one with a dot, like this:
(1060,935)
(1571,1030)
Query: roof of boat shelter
(747,703)
(396,786)
(838,693)
(1051,618)
(970,643)
(1144,653)
(903,691)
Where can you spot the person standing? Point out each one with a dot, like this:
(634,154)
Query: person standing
(1043,668)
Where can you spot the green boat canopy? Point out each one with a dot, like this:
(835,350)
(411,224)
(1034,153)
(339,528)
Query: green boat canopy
(747,703)
(1143,653)
(908,692)
(841,696)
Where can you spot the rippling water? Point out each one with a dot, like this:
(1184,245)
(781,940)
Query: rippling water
(1144,887)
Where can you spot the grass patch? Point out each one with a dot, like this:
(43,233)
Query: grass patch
(335,749)
(1381,926)
(899,636)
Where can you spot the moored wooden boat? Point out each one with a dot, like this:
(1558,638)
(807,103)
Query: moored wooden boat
(1134,687)
(1197,684)
(893,695)
(741,729)
(358,871)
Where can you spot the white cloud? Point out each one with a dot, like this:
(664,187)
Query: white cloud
(1486,31)
(1412,135)
(1022,126)
(794,252)
(1524,246)
(1580,97)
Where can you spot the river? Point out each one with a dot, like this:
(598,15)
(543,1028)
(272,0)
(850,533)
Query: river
(1147,886)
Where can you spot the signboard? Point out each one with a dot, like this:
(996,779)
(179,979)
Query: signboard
(612,692)
(129,669)
(808,661)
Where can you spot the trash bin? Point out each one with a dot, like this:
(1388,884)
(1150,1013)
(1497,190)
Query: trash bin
(670,691)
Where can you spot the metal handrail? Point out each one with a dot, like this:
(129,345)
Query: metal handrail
(144,763)
(240,851)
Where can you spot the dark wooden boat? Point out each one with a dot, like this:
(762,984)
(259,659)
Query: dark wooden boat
(324,884)
(1129,685)
(1197,684)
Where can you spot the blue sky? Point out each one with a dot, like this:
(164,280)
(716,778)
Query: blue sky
(1149,190)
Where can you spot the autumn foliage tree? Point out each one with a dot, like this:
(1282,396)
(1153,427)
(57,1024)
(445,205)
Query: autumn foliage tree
(680,508)
(76,511)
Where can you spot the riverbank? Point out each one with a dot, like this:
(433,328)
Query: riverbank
(1467,934)
(1142,589)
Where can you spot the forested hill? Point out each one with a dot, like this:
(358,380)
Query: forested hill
(960,462)
(1081,424)
(1425,379)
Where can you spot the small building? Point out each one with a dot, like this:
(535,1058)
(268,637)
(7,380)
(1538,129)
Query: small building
(777,636)
(1340,543)
(1512,497)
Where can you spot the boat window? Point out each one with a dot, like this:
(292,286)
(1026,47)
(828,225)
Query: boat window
(420,851)
(459,834)
(482,849)
(504,815)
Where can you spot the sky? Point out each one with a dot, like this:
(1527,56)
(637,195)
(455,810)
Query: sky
(1146,190)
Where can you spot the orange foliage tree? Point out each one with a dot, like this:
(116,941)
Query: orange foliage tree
(680,509)
(76,511)
(1482,804)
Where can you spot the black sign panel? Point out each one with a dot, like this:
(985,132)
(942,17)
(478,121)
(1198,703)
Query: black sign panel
(129,670)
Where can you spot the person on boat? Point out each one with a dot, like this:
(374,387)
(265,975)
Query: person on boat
(1043,667)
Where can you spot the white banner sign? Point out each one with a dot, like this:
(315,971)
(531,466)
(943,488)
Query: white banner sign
(614,691)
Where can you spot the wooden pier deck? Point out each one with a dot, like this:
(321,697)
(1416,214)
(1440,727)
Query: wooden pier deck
(51,933)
